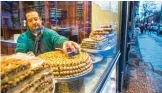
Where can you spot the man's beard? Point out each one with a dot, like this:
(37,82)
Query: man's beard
(34,27)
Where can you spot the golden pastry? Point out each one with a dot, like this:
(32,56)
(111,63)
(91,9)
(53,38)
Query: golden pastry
(67,66)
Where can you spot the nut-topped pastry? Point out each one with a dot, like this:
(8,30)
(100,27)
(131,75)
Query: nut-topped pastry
(94,43)
(65,66)
(17,75)
(12,68)
(103,31)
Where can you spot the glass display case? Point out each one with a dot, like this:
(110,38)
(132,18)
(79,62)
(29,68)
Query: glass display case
(86,18)
(104,76)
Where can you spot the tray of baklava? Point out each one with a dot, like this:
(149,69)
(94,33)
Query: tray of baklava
(67,68)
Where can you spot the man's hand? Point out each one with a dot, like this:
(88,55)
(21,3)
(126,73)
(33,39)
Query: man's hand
(70,46)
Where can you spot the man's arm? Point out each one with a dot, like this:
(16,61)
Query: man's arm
(62,42)
(58,40)
(21,44)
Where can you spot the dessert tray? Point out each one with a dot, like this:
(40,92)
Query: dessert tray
(97,51)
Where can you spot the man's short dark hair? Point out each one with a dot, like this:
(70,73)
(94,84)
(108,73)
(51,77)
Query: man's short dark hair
(31,9)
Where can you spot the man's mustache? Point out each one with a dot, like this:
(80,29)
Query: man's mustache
(36,25)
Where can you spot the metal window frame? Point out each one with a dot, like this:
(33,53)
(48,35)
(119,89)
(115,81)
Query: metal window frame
(123,45)
(107,74)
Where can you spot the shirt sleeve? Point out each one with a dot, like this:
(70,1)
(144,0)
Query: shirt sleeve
(21,44)
(58,40)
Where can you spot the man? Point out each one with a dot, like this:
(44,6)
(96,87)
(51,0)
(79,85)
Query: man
(142,28)
(40,39)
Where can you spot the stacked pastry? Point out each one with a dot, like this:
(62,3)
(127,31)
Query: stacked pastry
(67,67)
(103,32)
(20,76)
(98,39)
(94,43)
(99,32)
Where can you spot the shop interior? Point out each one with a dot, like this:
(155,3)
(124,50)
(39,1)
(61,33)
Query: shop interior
(72,19)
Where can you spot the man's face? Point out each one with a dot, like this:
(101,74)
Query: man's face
(33,21)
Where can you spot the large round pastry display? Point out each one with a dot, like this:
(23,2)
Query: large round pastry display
(67,67)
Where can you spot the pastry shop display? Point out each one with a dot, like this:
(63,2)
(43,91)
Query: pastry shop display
(22,76)
(67,67)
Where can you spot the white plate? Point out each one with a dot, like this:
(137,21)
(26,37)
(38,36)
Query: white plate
(97,51)
(96,58)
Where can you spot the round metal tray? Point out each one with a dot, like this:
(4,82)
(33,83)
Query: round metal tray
(96,58)
(73,78)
